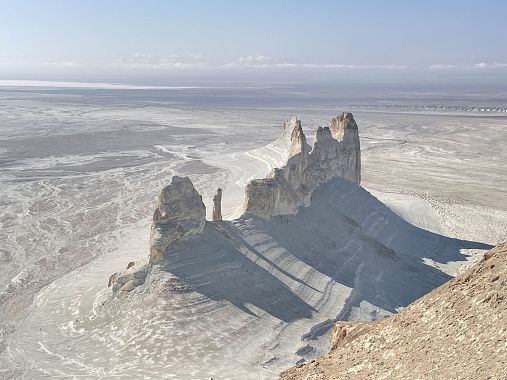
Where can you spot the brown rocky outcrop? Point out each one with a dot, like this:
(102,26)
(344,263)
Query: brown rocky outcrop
(344,332)
(457,331)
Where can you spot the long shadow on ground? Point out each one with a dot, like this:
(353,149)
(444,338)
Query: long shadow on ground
(345,234)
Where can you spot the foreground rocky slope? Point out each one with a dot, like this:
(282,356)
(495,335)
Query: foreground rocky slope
(458,331)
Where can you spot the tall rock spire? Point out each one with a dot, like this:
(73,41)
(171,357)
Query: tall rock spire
(217,206)
(180,214)
(344,128)
(298,142)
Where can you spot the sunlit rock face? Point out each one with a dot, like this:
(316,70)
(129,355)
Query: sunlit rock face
(344,128)
(336,153)
(180,214)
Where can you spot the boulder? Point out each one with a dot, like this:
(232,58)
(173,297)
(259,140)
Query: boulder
(112,279)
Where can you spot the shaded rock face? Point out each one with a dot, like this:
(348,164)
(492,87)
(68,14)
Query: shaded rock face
(112,279)
(271,196)
(217,206)
(180,214)
(336,153)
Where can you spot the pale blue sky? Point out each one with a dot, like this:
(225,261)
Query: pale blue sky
(73,35)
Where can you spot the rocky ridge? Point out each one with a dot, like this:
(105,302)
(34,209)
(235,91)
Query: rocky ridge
(180,212)
(336,153)
(458,331)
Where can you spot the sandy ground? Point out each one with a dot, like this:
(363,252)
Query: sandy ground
(79,181)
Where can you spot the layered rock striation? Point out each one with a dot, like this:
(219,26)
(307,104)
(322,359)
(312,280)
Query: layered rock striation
(335,153)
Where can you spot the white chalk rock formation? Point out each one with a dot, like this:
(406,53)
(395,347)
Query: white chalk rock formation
(336,153)
(180,214)
(344,128)
(297,141)
(217,206)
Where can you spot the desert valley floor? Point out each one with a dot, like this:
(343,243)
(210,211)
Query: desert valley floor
(79,173)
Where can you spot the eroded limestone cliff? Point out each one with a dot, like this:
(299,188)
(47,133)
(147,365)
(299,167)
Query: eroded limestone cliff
(335,153)
(180,212)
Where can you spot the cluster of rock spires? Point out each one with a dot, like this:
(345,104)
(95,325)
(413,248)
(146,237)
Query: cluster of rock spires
(180,212)
(457,331)
(336,153)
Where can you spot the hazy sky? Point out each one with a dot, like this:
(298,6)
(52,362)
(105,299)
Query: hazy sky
(52,35)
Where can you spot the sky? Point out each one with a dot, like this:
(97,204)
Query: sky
(39,37)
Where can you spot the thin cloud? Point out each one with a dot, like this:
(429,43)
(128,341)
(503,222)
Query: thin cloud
(264,62)
(140,61)
(494,65)
(145,61)
(248,61)
(61,64)
(439,66)
(356,67)
(481,65)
